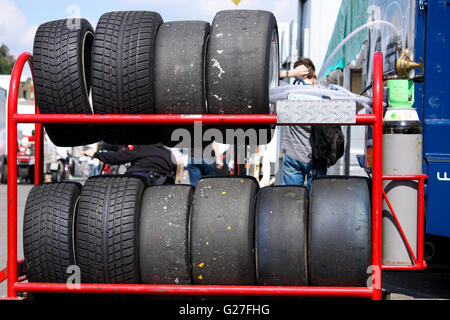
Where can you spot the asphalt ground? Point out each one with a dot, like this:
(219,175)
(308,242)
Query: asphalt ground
(431,284)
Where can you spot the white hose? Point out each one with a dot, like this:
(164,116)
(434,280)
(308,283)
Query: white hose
(351,35)
(361,100)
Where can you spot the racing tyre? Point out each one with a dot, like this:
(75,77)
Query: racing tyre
(281,236)
(106,239)
(222,231)
(242,65)
(122,72)
(163,235)
(48,231)
(3,171)
(62,66)
(339,229)
(179,72)
(242,62)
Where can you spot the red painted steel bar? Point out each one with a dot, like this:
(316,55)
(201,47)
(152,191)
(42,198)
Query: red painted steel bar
(12,171)
(421,223)
(3,274)
(412,267)
(195,289)
(400,229)
(163,119)
(405,177)
(38,150)
(377,181)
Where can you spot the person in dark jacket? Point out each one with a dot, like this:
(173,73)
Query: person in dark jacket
(153,162)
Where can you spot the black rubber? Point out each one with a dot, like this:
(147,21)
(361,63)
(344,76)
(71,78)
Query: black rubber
(339,231)
(222,231)
(281,236)
(3,171)
(54,176)
(62,66)
(106,239)
(163,235)
(122,72)
(48,230)
(179,67)
(237,66)
(180,54)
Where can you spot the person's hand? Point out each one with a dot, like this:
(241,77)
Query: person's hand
(89,153)
(300,72)
(219,163)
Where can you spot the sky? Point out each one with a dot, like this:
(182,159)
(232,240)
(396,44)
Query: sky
(19,19)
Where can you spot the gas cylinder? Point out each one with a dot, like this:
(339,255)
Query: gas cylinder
(402,155)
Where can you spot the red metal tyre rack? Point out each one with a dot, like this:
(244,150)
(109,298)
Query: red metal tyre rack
(14,271)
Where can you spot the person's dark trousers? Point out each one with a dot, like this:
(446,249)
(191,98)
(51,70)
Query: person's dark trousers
(199,168)
(152,179)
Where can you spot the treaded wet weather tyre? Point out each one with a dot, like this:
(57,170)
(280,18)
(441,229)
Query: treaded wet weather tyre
(122,72)
(339,229)
(281,236)
(222,231)
(61,66)
(163,235)
(48,231)
(107,229)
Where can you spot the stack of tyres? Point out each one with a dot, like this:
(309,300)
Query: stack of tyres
(226,231)
(134,63)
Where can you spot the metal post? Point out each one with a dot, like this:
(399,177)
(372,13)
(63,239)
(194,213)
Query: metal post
(38,153)
(39,143)
(377,178)
(12,172)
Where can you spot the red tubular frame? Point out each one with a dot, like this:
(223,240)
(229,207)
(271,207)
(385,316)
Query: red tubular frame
(375,119)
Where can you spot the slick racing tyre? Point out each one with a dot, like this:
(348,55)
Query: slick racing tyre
(339,229)
(222,231)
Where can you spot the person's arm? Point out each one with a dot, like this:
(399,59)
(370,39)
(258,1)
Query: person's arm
(284,74)
(219,162)
(299,72)
(114,157)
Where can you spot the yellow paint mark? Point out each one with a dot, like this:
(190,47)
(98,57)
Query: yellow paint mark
(207,243)
(201,265)
(200,277)
(242,180)
(223,192)
(236,2)
(229,228)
